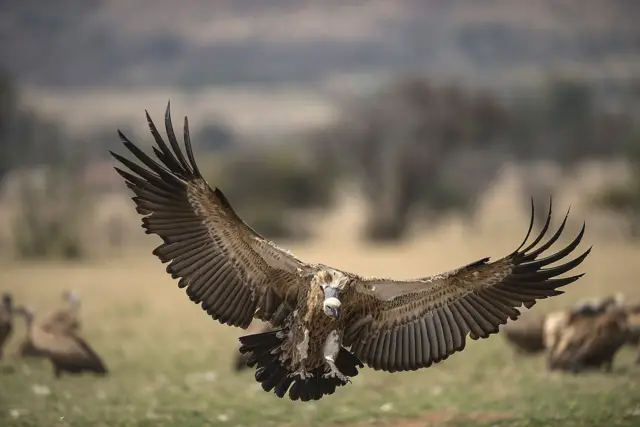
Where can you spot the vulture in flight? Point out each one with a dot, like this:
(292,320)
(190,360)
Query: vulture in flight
(327,322)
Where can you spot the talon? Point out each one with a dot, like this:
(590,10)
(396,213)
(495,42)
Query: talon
(302,374)
(334,372)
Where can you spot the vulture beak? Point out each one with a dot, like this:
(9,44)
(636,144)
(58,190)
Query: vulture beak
(331,305)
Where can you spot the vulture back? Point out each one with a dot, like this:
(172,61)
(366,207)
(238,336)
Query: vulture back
(66,319)
(66,350)
(590,341)
(633,317)
(526,334)
(556,322)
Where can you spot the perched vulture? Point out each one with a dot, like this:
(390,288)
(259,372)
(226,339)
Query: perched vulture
(556,322)
(591,340)
(327,321)
(6,319)
(67,351)
(633,315)
(64,320)
(633,318)
(241,359)
(526,334)
(67,318)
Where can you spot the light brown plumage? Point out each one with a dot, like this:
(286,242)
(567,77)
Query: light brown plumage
(633,320)
(591,340)
(556,322)
(633,315)
(66,319)
(66,350)
(394,325)
(6,320)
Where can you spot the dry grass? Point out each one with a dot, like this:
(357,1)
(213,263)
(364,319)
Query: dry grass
(170,364)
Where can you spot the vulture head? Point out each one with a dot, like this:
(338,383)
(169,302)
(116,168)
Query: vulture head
(7,301)
(71,298)
(612,301)
(333,283)
(597,306)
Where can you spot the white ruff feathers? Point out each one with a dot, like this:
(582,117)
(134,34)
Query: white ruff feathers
(332,302)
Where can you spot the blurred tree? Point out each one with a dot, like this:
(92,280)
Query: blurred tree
(100,140)
(47,222)
(49,207)
(265,184)
(402,144)
(25,138)
(417,149)
(214,136)
(625,199)
(565,126)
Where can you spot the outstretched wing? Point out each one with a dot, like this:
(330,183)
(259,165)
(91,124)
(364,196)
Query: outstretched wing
(224,264)
(407,325)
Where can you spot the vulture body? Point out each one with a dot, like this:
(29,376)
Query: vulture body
(590,340)
(633,319)
(67,351)
(526,334)
(633,315)
(6,320)
(64,320)
(555,323)
(327,322)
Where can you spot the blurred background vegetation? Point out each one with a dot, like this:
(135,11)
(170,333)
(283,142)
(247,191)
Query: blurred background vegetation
(419,147)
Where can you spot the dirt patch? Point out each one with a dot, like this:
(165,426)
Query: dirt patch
(443,418)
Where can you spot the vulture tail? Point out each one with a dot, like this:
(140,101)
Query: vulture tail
(264,350)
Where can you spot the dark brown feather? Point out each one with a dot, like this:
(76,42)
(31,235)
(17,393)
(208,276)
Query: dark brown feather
(475,299)
(6,320)
(223,263)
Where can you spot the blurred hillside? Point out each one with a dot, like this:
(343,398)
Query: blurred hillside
(153,42)
(302,55)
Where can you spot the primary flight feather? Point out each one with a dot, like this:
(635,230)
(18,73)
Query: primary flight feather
(326,321)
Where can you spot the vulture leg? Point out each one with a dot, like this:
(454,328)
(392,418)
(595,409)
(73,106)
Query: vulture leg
(608,365)
(334,372)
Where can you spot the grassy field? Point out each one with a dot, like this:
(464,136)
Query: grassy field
(170,364)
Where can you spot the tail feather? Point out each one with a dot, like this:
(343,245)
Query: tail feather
(261,339)
(259,354)
(348,363)
(264,352)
